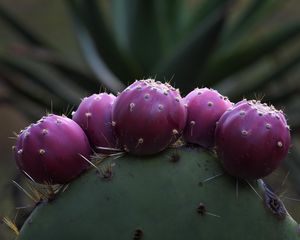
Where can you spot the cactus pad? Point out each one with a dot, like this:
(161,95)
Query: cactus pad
(179,194)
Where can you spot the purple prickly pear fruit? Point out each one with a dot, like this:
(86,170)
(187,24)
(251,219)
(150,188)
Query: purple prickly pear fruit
(252,139)
(94,117)
(148,116)
(49,150)
(204,108)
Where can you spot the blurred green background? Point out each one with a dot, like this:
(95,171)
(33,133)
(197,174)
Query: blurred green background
(52,53)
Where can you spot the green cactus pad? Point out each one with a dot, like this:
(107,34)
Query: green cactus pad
(164,197)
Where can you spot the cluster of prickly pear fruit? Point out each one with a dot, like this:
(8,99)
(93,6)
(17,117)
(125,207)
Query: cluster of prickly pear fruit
(250,138)
(151,198)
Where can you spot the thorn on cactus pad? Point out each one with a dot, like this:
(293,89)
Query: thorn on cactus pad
(25,207)
(211,178)
(65,187)
(107,171)
(201,209)
(285,178)
(92,164)
(254,190)
(138,234)
(110,149)
(33,198)
(175,157)
(292,199)
(28,176)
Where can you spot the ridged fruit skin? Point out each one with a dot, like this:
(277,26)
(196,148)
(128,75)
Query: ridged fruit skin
(204,108)
(94,117)
(49,149)
(252,139)
(148,116)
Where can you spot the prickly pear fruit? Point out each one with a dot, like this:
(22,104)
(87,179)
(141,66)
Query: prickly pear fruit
(252,139)
(94,117)
(161,199)
(49,150)
(148,116)
(204,108)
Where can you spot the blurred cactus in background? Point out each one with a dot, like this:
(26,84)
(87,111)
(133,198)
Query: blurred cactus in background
(230,45)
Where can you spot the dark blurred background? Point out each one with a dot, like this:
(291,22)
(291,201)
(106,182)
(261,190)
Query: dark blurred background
(52,53)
